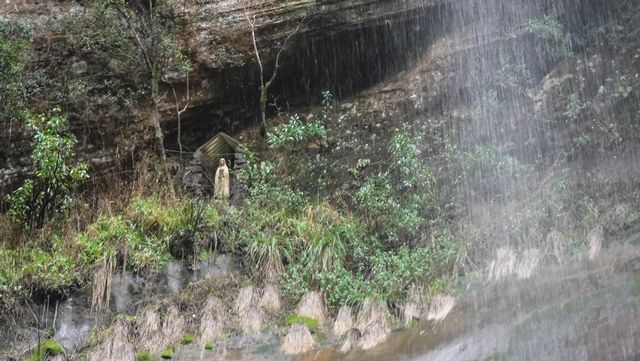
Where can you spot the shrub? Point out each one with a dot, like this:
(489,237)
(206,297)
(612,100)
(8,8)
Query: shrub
(394,201)
(55,176)
(514,75)
(575,106)
(33,268)
(344,287)
(209,346)
(553,32)
(295,132)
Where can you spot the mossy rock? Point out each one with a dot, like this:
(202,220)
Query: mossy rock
(187,339)
(209,346)
(313,324)
(167,354)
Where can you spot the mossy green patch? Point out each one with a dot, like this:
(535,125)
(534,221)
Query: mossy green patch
(313,324)
(167,354)
(187,339)
(144,356)
(209,346)
(47,348)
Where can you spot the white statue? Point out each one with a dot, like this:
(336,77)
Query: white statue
(222,182)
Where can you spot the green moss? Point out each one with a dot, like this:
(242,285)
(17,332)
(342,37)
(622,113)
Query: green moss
(52,347)
(144,356)
(167,354)
(209,346)
(187,339)
(47,348)
(297,319)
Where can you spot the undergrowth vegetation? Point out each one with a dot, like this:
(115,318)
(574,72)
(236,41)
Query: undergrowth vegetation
(374,241)
(140,238)
(385,234)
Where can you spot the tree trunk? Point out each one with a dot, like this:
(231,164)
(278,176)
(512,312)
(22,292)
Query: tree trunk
(155,118)
(263,110)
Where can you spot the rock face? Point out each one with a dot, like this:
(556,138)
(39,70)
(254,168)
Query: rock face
(224,85)
(298,340)
(374,323)
(311,305)
(343,322)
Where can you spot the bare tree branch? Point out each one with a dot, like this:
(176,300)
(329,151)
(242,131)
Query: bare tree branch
(180,111)
(264,87)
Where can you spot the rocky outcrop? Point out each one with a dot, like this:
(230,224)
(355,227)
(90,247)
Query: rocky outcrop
(245,299)
(343,322)
(374,323)
(116,347)
(270,299)
(173,326)
(150,331)
(250,317)
(298,340)
(214,320)
(440,307)
(312,305)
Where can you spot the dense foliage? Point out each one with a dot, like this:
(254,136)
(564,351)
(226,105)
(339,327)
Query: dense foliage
(56,173)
